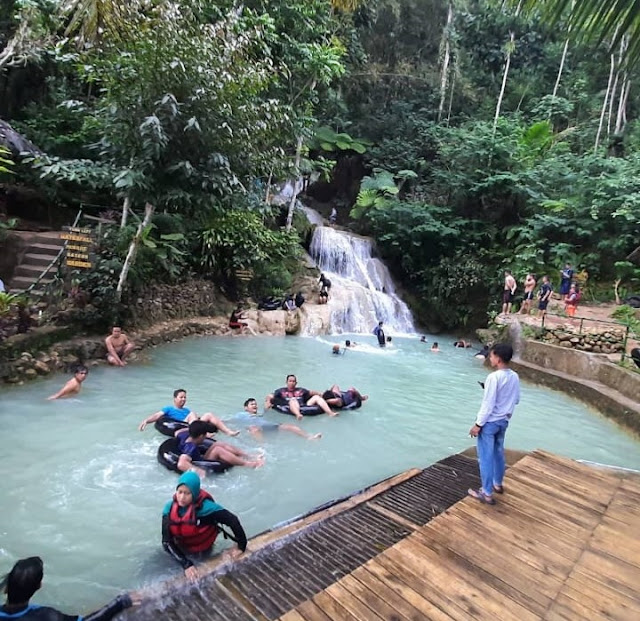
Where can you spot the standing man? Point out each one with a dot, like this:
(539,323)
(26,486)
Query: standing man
(544,295)
(379,333)
(118,347)
(501,395)
(565,279)
(529,288)
(508,292)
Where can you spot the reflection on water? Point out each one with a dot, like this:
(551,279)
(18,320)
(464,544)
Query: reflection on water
(81,486)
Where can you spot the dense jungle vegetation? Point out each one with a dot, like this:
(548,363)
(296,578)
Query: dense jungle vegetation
(465,136)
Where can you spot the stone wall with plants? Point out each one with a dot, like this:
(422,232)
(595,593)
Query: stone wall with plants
(609,342)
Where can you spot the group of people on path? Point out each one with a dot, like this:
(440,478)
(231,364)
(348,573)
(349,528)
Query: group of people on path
(568,291)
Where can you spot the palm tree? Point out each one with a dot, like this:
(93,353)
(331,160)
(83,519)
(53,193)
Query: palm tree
(601,20)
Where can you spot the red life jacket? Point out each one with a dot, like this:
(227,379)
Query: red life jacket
(188,534)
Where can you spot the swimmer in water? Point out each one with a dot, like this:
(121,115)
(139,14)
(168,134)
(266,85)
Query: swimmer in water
(73,386)
(435,348)
(347,399)
(256,424)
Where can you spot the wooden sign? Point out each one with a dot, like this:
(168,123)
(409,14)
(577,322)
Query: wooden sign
(79,241)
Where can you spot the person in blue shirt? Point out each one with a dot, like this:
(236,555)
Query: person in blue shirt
(25,578)
(380,335)
(501,395)
(256,424)
(179,412)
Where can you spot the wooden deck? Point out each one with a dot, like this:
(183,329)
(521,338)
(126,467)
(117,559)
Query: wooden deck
(563,543)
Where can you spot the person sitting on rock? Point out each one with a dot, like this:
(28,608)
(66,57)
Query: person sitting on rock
(73,386)
(118,347)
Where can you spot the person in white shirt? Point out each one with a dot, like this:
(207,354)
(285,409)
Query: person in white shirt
(501,395)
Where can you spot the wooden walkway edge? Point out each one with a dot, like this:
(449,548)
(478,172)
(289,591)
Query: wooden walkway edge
(563,543)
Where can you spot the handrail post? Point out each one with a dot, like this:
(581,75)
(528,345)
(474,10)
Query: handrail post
(581,323)
(624,344)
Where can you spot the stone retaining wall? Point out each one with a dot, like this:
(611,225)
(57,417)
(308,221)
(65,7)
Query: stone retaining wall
(609,342)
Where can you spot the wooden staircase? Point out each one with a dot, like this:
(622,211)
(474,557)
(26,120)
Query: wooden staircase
(41,250)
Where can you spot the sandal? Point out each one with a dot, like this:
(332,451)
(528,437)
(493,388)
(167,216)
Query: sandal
(478,494)
(498,489)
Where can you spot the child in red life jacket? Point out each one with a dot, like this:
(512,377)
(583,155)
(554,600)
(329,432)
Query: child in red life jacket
(190,523)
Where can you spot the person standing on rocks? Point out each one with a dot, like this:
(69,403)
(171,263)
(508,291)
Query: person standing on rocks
(72,387)
(509,291)
(501,395)
(118,347)
(529,289)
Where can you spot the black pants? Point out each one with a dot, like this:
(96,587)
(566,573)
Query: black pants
(635,355)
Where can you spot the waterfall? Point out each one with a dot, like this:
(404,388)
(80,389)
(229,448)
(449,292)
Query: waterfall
(362,292)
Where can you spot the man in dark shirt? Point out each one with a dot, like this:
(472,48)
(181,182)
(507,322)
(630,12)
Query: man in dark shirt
(191,449)
(290,398)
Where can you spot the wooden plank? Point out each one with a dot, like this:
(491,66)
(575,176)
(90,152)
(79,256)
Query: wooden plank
(586,585)
(625,547)
(292,615)
(437,573)
(351,603)
(393,596)
(393,516)
(511,523)
(498,591)
(309,611)
(571,469)
(594,606)
(384,609)
(504,568)
(612,572)
(576,485)
(533,541)
(535,504)
(431,603)
(546,499)
(332,608)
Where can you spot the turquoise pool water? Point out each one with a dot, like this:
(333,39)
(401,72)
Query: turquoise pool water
(81,486)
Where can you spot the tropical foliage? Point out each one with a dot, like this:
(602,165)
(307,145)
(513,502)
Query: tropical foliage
(466,137)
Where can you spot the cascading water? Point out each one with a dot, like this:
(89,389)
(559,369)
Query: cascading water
(362,292)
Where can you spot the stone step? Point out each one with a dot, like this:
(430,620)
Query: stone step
(26,269)
(44,248)
(36,258)
(21,283)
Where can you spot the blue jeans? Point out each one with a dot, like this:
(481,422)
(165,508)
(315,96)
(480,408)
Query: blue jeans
(491,454)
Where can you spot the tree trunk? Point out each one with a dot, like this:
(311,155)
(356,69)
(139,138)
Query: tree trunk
(560,70)
(294,195)
(622,105)
(125,211)
(128,262)
(453,86)
(507,64)
(446,35)
(604,104)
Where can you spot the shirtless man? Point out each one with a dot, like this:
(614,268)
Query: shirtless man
(118,347)
(291,397)
(529,286)
(72,387)
(508,292)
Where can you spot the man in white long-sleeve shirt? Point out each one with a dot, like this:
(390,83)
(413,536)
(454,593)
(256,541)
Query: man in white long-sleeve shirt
(501,395)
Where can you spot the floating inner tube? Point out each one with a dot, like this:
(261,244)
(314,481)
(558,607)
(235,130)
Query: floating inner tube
(305,410)
(168,426)
(169,454)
